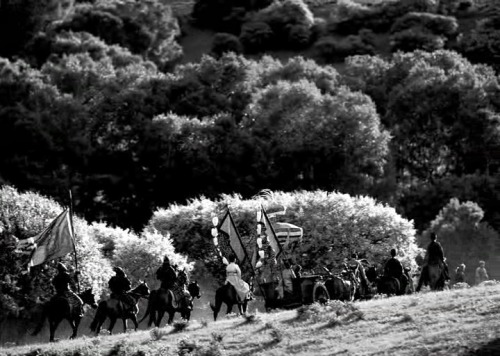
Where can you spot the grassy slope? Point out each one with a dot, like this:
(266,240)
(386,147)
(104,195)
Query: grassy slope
(453,322)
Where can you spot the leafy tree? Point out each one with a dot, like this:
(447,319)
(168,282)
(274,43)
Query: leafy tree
(256,36)
(425,31)
(464,236)
(225,42)
(423,202)
(285,18)
(482,44)
(308,133)
(147,27)
(138,255)
(432,134)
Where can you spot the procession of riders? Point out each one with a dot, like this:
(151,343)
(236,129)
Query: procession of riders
(172,280)
(175,281)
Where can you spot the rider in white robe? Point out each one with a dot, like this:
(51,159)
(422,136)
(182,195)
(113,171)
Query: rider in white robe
(233,276)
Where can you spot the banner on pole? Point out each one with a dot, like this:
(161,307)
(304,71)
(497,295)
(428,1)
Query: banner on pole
(55,241)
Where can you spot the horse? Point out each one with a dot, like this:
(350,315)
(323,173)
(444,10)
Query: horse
(59,308)
(115,309)
(435,276)
(161,301)
(388,285)
(227,294)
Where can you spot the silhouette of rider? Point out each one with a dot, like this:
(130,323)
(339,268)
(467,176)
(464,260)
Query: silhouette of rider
(62,282)
(120,285)
(394,269)
(435,256)
(166,274)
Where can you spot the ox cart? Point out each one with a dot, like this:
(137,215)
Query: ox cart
(306,290)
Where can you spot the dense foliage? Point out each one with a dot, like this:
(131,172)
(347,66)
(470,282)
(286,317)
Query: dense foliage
(335,225)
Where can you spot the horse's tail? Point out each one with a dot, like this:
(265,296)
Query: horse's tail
(39,326)
(100,314)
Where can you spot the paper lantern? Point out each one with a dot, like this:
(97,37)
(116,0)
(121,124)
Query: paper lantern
(216,241)
(259,229)
(214,232)
(215,221)
(261,254)
(259,242)
(259,215)
(258,264)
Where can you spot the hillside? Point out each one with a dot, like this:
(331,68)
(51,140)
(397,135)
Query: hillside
(456,322)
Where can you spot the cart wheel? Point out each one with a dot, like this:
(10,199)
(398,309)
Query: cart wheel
(320,293)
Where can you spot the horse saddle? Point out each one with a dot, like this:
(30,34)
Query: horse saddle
(126,300)
(179,297)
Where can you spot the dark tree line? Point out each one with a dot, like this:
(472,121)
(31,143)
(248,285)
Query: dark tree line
(99,107)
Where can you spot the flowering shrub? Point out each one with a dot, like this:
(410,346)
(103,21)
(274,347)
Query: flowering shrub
(335,225)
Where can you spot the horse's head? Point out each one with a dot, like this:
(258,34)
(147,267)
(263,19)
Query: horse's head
(89,298)
(194,289)
(141,290)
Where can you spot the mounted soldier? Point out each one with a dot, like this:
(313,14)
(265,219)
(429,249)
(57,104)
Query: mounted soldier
(166,274)
(62,282)
(434,257)
(394,269)
(120,285)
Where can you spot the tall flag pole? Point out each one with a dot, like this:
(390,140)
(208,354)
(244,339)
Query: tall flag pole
(73,233)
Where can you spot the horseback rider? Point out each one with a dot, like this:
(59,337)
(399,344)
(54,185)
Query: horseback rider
(233,276)
(62,282)
(180,289)
(358,270)
(435,256)
(394,269)
(120,285)
(166,274)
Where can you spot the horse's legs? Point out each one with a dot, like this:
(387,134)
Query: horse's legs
(124,321)
(112,321)
(52,327)
(152,317)
(171,314)
(134,320)
(161,313)
(74,325)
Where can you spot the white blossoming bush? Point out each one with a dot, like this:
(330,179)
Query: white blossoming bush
(140,256)
(335,225)
(22,216)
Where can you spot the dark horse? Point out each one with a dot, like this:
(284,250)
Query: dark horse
(227,294)
(161,301)
(436,277)
(115,309)
(59,308)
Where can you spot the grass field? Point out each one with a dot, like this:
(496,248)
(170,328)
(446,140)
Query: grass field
(454,322)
